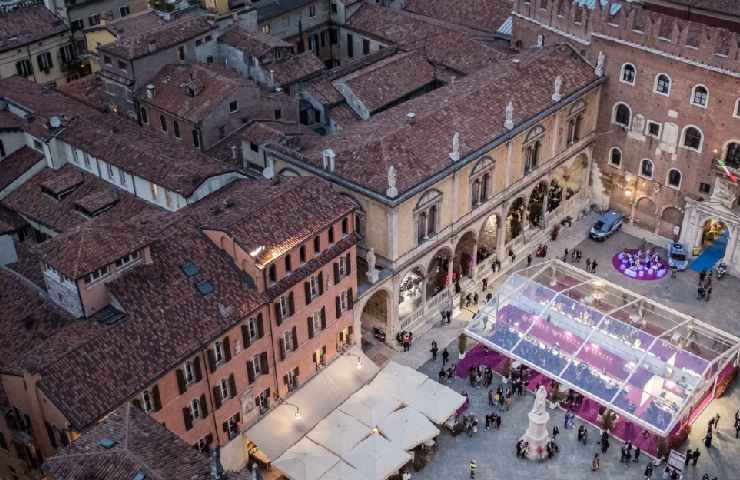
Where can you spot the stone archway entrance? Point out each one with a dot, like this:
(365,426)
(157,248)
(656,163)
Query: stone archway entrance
(488,238)
(437,272)
(515,220)
(670,223)
(537,206)
(375,314)
(554,196)
(644,216)
(411,292)
(464,262)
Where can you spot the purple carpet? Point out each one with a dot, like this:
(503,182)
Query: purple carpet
(640,265)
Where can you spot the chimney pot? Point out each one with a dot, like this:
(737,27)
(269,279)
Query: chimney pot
(150,90)
(152,46)
(411,118)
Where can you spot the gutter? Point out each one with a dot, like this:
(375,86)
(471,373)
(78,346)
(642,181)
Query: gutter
(468,158)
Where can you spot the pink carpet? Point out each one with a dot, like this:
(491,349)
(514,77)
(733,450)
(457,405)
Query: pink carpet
(640,268)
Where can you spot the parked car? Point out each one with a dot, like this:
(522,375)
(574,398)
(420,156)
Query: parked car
(607,224)
(678,255)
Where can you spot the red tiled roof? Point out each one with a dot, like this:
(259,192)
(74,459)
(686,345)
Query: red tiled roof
(61,215)
(18,163)
(212,84)
(473,106)
(142,152)
(295,68)
(389,80)
(264,214)
(486,15)
(166,321)
(141,445)
(135,33)
(25,25)
(88,90)
(10,121)
(256,44)
(29,264)
(461,52)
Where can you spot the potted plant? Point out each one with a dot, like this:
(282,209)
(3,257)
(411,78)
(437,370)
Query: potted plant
(607,420)
(462,343)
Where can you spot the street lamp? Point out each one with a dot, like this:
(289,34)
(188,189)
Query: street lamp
(359,360)
(297,415)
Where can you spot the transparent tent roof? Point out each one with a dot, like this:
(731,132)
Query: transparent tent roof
(644,360)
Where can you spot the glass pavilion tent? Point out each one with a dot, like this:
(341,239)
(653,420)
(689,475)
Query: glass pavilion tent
(643,360)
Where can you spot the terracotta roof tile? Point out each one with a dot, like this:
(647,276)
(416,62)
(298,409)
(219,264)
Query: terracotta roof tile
(195,91)
(142,445)
(62,214)
(18,163)
(486,15)
(88,90)
(142,152)
(27,25)
(296,68)
(256,44)
(135,33)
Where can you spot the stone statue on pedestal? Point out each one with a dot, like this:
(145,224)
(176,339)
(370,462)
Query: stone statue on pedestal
(372,273)
(537,435)
(392,191)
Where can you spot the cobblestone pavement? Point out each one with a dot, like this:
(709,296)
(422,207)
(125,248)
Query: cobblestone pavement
(493,451)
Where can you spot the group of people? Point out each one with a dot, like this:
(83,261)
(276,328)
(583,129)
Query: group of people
(522,448)
(704,289)
(629,454)
(405,338)
(480,376)
(576,255)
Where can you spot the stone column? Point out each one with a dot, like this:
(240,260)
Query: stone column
(731,246)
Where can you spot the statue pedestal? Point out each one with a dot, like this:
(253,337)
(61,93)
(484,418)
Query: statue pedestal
(537,435)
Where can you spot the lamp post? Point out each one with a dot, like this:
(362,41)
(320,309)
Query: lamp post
(297,415)
(359,360)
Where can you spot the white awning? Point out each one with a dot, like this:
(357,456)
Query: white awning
(398,381)
(343,471)
(407,428)
(436,401)
(339,433)
(370,405)
(320,396)
(377,458)
(306,461)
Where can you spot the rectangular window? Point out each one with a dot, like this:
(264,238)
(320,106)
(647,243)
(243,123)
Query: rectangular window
(653,129)
(163,123)
(218,350)
(93,20)
(252,330)
(122,65)
(312,11)
(289,341)
(198,42)
(181,53)
(284,307)
(99,273)
(77,25)
(331,234)
(262,401)
(147,401)
(314,286)
(176,129)
(190,376)
(344,266)
(196,138)
(316,245)
(231,427)
(350,46)
(124,11)
(704,188)
(292,379)
(144,116)
(254,147)
(272,273)
(257,366)
(333,36)
(24,68)
(266,28)
(44,61)
(209,59)
(233,107)
(302,253)
(195,409)
(107,60)
(365,46)
(288,263)
(345,226)
(278,114)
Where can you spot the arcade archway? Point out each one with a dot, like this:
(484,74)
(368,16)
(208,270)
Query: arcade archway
(670,223)
(537,206)
(465,256)
(515,219)
(488,238)
(411,292)
(375,313)
(554,196)
(645,213)
(437,272)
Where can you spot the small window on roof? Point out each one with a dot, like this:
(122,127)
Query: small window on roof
(189,269)
(205,287)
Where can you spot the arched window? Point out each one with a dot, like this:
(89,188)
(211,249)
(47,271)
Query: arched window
(700,96)
(732,155)
(674,178)
(2,149)
(426,215)
(692,138)
(163,122)
(628,73)
(646,168)
(736,112)
(615,157)
(663,84)
(480,181)
(622,114)
(531,156)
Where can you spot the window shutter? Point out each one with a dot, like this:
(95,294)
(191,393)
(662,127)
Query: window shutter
(310,327)
(323,318)
(203,405)
(336,272)
(250,371)
(245,337)
(307,289)
(349,263)
(238,417)
(216,398)
(260,327)
(232,386)
(188,418)
(50,432)
(338,302)
(295,338)
(212,360)
(321,283)
(18,69)
(350,300)
(225,426)
(278,317)
(281,343)
(291,304)
(297,372)
(182,385)
(285,379)
(227,349)
(157,401)
(137,403)
(198,371)
(263,363)
(315,358)
(209,439)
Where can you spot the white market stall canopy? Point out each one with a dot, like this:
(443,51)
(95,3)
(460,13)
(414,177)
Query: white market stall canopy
(436,401)
(343,471)
(398,381)
(306,460)
(339,433)
(315,400)
(377,458)
(407,428)
(370,406)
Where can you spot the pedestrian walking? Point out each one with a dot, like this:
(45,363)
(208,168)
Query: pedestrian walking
(445,357)
(565,256)
(737,428)
(434,350)
(708,293)
(573,255)
(595,463)
(529,259)
(485,284)
(637,455)
(695,457)
(716,421)
(579,255)
(702,276)
(442,375)
(490,397)
(689,456)
(708,439)
(588,264)
(594,264)
(649,471)
(555,432)
(475,300)
(473,466)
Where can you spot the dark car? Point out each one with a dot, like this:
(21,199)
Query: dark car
(607,224)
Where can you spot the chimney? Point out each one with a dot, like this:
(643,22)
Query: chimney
(411,118)
(152,46)
(150,90)
(328,159)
